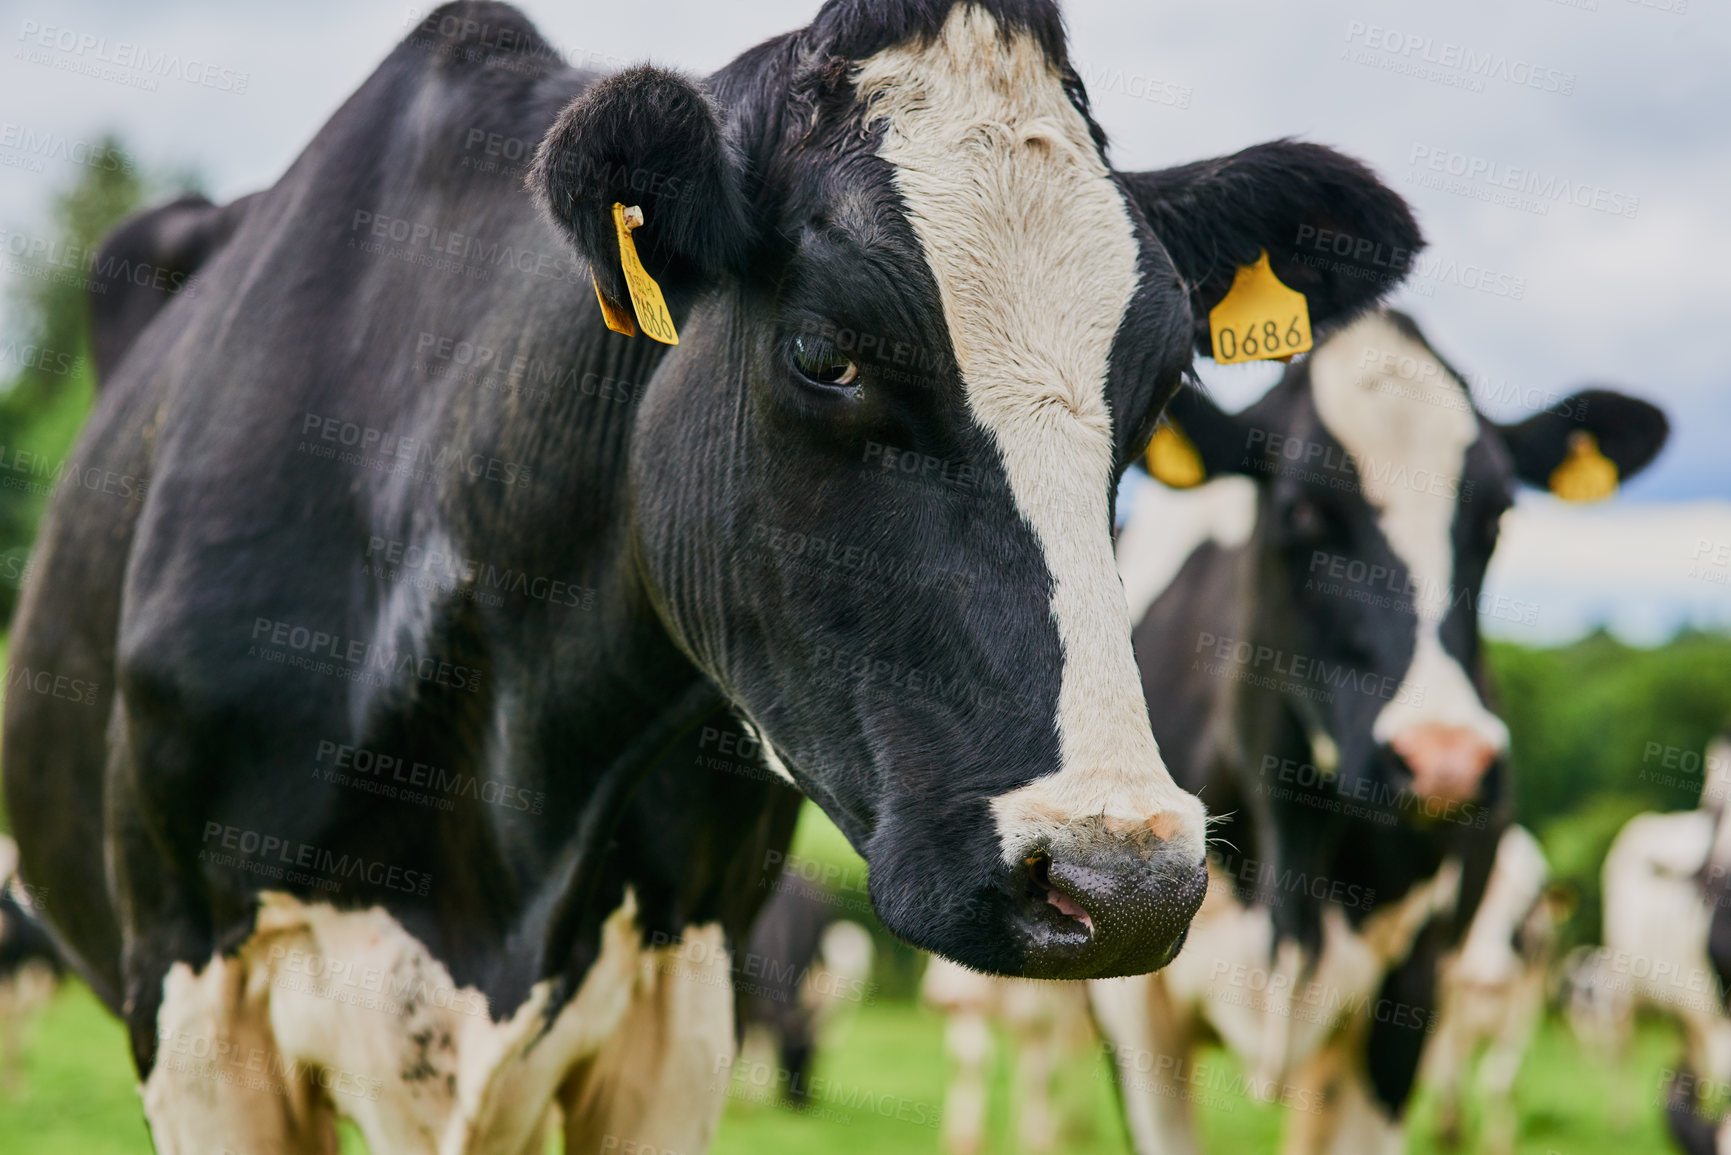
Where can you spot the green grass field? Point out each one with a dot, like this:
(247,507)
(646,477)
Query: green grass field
(879,1088)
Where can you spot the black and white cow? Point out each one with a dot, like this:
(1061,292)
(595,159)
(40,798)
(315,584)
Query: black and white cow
(1667,928)
(1492,992)
(1310,652)
(399,571)
(30,968)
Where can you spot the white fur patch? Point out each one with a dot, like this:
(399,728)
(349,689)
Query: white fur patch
(1171,524)
(1409,433)
(770,758)
(1034,256)
(326,1011)
(1518,878)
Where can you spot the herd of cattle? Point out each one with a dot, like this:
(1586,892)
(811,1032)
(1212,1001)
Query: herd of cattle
(438,582)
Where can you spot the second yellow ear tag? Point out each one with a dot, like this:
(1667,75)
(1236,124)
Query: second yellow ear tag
(646,296)
(1173,461)
(1585,474)
(1260,318)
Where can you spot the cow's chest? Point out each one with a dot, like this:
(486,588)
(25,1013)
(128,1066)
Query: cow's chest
(325,1012)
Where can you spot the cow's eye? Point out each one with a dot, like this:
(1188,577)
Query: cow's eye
(821,363)
(1306,522)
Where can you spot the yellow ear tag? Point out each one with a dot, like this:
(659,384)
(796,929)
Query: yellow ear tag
(646,297)
(1260,319)
(1173,461)
(1585,474)
(617,319)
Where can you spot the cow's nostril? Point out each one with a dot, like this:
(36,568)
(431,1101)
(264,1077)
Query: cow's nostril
(1041,889)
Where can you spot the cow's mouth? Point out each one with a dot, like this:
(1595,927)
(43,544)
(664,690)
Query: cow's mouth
(1040,888)
(1103,915)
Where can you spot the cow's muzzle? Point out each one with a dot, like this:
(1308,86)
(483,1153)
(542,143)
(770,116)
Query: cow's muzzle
(1448,763)
(1106,907)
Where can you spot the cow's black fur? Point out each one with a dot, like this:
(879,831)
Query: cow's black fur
(1248,749)
(665,504)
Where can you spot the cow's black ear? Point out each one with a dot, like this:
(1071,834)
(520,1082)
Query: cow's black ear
(1196,441)
(651,138)
(1332,230)
(1582,448)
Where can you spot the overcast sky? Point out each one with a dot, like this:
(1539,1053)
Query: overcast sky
(1624,105)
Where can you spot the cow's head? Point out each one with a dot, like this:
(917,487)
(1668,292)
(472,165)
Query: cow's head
(1378,490)
(923,329)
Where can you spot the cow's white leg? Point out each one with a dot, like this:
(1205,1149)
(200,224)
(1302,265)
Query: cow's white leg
(1448,1058)
(660,1080)
(968,1039)
(1502,1063)
(1150,1039)
(1338,1113)
(22,996)
(220,1081)
(1036,1047)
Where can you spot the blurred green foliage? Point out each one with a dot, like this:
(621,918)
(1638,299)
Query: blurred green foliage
(1600,731)
(46,379)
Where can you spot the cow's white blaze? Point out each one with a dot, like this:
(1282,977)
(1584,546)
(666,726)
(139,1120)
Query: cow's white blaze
(1409,433)
(1034,255)
(350,1001)
(1172,524)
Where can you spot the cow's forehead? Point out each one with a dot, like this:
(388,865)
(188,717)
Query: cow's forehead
(1392,404)
(1028,237)
(1034,253)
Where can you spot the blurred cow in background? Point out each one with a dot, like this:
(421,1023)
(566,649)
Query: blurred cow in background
(801,966)
(1667,886)
(29,968)
(1045,1023)
(1493,991)
(1308,632)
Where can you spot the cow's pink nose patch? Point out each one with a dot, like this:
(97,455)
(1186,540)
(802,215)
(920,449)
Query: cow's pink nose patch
(1447,762)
